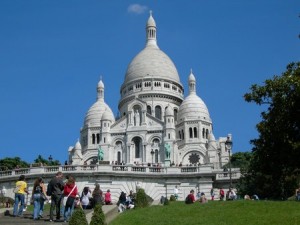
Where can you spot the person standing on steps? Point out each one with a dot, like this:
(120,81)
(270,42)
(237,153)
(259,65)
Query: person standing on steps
(55,189)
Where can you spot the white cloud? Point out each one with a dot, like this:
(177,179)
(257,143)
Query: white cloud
(137,8)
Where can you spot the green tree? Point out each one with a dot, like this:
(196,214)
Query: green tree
(141,200)
(45,162)
(11,163)
(78,218)
(274,169)
(98,217)
(241,160)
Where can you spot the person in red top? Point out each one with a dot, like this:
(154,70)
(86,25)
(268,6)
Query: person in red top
(71,191)
(107,198)
(190,198)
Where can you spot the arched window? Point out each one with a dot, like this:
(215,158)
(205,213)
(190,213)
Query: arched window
(98,138)
(203,133)
(182,135)
(195,132)
(104,140)
(156,156)
(191,132)
(137,146)
(206,134)
(149,109)
(175,114)
(119,157)
(93,139)
(158,112)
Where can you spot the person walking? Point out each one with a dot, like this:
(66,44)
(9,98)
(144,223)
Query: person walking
(36,196)
(20,190)
(54,189)
(70,191)
(43,198)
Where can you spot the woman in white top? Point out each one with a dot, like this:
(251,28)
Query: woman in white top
(85,197)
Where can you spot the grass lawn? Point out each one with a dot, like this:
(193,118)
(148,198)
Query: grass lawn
(215,213)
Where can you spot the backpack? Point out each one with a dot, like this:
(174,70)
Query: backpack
(17,189)
(188,200)
(49,189)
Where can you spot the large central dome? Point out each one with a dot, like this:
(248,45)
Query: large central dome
(151,61)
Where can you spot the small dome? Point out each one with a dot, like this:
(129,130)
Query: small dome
(100,84)
(77,145)
(151,21)
(192,77)
(193,108)
(107,115)
(94,114)
(169,111)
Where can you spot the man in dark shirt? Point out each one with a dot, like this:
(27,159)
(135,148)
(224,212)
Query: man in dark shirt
(55,190)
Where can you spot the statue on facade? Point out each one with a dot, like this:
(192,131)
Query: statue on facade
(137,118)
(167,150)
(100,154)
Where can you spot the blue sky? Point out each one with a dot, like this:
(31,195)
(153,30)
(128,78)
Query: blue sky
(52,54)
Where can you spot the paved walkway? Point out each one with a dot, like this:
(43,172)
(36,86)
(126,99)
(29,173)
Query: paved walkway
(26,219)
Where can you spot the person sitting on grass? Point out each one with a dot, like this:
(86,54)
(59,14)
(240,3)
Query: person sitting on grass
(190,198)
(203,199)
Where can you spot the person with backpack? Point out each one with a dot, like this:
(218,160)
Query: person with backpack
(36,197)
(20,190)
(190,198)
(55,189)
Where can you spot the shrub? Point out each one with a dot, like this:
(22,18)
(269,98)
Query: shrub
(78,218)
(172,198)
(98,217)
(141,200)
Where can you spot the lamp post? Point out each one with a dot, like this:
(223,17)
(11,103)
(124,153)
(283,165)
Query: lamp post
(228,147)
(50,159)
(152,153)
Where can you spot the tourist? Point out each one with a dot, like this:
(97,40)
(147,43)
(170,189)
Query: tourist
(77,203)
(298,194)
(122,202)
(247,197)
(55,189)
(212,194)
(70,190)
(255,197)
(85,197)
(36,197)
(203,199)
(190,198)
(129,203)
(222,194)
(176,192)
(20,190)
(231,194)
(43,198)
(97,195)
(107,198)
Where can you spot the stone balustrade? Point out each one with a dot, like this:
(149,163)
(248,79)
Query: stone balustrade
(220,174)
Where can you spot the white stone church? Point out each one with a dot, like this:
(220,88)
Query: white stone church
(157,125)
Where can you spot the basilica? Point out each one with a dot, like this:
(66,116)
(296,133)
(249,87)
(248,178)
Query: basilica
(157,124)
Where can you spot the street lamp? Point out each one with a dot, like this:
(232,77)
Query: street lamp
(152,153)
(228,146)
(50,159)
